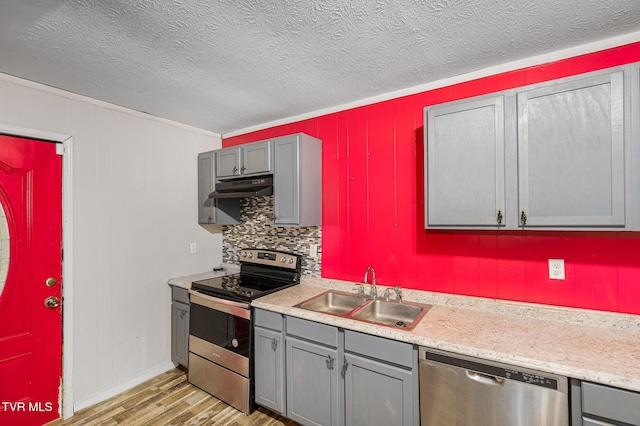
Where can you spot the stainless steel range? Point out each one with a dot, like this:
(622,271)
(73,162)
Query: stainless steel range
(221,324)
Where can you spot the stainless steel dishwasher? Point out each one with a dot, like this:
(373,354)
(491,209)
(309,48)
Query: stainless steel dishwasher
(457,390)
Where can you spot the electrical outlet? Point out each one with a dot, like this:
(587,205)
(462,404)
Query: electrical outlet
(192,248)
(556,269)
(313,251)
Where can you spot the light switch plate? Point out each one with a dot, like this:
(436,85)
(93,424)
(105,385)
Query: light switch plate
(313,251)
(193,249)
(556,269)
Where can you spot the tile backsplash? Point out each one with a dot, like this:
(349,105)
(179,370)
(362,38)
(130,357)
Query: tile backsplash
(256,229)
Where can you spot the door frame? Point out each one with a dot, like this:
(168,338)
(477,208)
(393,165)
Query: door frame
(66,393)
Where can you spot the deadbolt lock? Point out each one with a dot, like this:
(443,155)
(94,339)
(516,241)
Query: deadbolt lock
(50,282)
(51,302)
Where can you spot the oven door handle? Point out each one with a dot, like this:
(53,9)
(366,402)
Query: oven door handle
(237,309)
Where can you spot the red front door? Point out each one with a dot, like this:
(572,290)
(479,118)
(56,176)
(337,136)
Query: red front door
(31,268)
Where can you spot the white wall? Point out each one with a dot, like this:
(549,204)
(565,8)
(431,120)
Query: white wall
(134,213)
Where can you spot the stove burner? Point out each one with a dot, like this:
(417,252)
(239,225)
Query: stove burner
(231,282)
(229,286)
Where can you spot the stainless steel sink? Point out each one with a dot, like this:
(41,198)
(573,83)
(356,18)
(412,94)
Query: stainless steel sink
(392,314)
(333,302)
(402,315)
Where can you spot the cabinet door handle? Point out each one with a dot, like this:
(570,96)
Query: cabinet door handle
(235,169)
(330,362)
(523,219)
(499,217)
(274,344)
(242,169)
(183,313)
(344,368)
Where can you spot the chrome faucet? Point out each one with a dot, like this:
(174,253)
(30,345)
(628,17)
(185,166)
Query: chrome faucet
(374,292)
(397,290)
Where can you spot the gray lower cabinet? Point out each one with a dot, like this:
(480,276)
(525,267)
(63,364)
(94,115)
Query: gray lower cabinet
(269,361)
(312,383)
(314,396)
(180,326)
(381,381)
(297,186)
(377,393)
(599,405)
(334,376)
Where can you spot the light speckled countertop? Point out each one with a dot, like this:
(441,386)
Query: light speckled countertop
(185,282)
(589,345)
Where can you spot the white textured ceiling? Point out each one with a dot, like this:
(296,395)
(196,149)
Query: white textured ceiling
(225,65)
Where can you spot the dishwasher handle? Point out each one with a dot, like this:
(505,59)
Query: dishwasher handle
(490,372)
(485,379)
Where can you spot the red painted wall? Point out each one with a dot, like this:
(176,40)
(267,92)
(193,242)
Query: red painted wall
(373,209)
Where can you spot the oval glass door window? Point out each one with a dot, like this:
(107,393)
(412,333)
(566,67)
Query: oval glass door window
(4,248)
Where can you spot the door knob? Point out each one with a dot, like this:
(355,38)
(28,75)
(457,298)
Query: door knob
(50,282)
(51,302)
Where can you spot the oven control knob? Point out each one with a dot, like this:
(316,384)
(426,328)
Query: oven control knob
(290,260)
(249,293)
(283,260)
(250,255)
(244,254)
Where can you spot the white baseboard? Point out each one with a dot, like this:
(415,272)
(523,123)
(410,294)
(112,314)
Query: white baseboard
(123,387)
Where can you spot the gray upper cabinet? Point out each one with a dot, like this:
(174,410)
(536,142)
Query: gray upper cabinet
(257,158)
(206,206)
(296,164)
(245,160)
(555,155)
(228,162)
(297,183)
(571,167)
(210,211)
(465,164)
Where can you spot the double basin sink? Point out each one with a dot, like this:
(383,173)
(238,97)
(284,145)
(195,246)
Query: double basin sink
(405,315)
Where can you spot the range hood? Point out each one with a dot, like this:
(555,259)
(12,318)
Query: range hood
(255,186)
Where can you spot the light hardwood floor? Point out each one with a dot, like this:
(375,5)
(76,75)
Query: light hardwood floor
(169,399)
